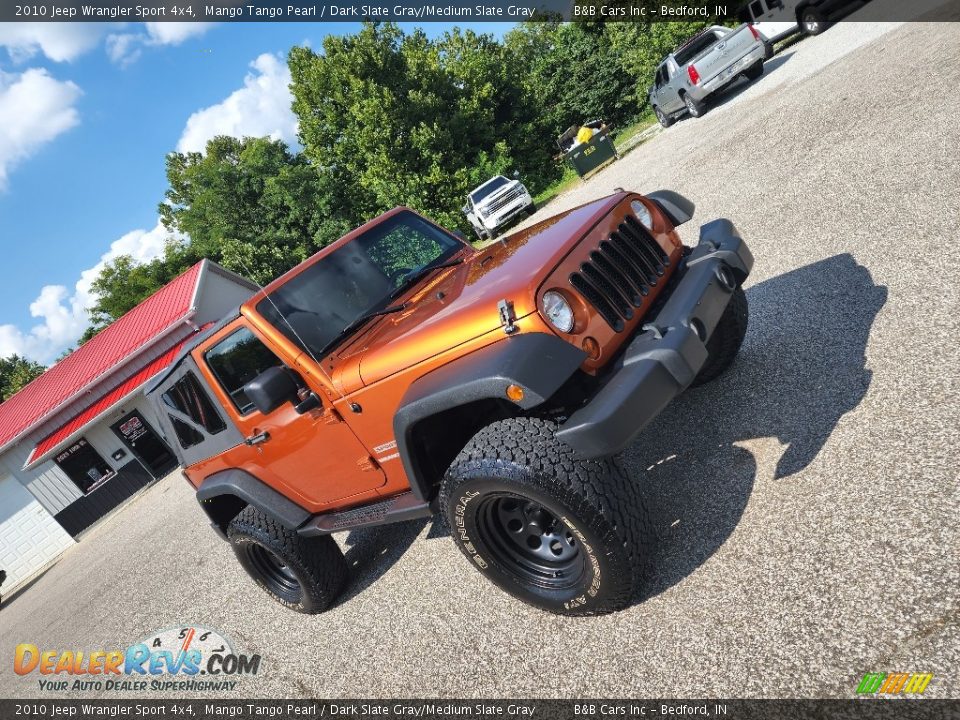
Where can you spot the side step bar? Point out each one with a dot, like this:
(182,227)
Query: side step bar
(396,509)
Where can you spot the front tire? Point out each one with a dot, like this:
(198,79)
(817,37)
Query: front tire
(664,119)
(304,574)
(563,534)
(724,344)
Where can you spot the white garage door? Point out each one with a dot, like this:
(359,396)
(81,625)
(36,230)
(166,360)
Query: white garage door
(29,536)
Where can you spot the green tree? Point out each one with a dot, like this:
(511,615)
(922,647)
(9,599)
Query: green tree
(15,373)
(251,205)
(405,120)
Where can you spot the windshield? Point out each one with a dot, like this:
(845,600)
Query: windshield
(312,308)
(487,188)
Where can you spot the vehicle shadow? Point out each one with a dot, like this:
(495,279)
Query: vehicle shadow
(801,368)
(370,552)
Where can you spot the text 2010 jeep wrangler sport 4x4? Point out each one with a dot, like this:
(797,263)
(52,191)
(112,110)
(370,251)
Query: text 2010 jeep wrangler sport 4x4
(401,372)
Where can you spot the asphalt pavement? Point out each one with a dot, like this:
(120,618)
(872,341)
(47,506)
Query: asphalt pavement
(805,503)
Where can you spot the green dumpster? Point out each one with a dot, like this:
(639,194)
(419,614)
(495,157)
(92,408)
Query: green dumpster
(587,157)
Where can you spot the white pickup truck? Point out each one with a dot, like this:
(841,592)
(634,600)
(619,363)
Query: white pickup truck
(495,203)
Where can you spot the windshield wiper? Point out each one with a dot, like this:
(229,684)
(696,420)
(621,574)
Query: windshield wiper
(416,275)
(353,326)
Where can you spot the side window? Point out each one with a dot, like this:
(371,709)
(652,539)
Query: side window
(235,361)
(188,397)
(756,9)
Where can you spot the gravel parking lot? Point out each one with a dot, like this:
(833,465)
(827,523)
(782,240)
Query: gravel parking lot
(806,503)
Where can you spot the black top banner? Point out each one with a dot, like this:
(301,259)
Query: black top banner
(423,11)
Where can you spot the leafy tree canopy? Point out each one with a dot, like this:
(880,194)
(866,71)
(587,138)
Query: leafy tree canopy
(15,373)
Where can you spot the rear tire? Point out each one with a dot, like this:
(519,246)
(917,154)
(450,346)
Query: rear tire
(562,534)
(694,106)
(724,344)
(812,21)
(304,574)
(531,208)
(754,71)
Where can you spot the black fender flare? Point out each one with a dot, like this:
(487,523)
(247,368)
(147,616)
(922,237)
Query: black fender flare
(674,205)
(231,490)
(538,362)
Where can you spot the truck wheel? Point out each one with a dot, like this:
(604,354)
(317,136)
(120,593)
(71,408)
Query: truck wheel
(663,118)
(531,208)
(754,71)
(562,534)
(305,574)
(694,107)
(812,21)
(724,344)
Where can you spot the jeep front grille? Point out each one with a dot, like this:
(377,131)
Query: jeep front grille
(623,270)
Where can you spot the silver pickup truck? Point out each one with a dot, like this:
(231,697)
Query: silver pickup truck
(705,63)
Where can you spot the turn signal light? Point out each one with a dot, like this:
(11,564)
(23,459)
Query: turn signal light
(591,347)
(756,35)
(515,393)
(694,75)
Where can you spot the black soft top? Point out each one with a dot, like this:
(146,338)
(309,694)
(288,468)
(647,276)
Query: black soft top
(188,346)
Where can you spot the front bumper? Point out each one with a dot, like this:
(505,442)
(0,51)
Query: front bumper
(666,356)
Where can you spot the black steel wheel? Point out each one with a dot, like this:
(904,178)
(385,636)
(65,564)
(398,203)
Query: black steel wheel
(530,541)
(563,534)
(275,574)
(304,574)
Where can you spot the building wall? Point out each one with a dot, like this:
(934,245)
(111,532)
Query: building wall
(217,294)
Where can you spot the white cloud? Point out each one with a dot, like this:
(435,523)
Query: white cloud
(261,107)
(125,48)
(64,315)
(58,41)
(34,109)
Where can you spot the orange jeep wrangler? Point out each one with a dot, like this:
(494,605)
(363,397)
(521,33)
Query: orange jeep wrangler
(400,372)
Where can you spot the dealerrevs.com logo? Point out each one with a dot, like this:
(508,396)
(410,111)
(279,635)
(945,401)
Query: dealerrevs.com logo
(894,683)
(176,659)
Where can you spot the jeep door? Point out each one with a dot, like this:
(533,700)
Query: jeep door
(313,457)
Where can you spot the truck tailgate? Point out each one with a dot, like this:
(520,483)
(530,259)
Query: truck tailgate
(730,48)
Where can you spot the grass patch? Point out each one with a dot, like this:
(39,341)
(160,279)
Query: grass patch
(642,123)
(566,181)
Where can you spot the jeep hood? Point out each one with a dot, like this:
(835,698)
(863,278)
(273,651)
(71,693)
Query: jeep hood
(457,304)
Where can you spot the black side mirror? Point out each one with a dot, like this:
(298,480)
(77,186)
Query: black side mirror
(465,209)
(271,389)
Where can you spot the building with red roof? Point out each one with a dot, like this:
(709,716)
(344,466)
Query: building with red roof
(80,439)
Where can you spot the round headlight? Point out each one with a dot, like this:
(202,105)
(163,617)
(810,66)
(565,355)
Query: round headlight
(643,215)
(558,311)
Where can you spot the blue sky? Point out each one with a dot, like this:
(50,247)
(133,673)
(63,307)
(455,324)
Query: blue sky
(87,114)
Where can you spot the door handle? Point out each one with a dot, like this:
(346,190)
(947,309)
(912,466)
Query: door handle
(257,439)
